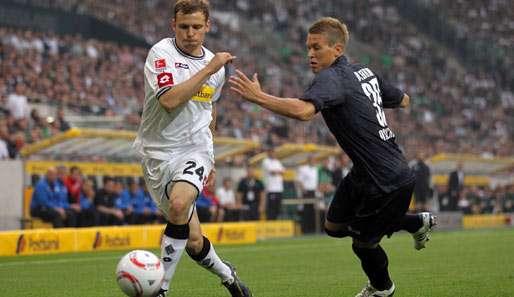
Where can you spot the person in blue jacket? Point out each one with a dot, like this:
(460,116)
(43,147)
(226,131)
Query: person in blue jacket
(145,210)
(50,202)
(126,199)
(89,216)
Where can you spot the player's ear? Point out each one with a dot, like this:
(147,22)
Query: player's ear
(173,25)
(208,25)
(339,47)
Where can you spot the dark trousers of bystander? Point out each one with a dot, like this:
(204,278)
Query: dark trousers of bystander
(52,216)
(273,205)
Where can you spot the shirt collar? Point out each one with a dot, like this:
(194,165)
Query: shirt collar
(341,60)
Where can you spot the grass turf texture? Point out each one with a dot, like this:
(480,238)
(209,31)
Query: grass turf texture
(464,263)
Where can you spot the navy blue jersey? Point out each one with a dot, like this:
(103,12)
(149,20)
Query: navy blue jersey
(351,99)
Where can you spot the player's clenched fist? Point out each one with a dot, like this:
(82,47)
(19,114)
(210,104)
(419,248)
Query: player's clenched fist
(219,60)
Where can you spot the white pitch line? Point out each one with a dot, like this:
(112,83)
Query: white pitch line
(233,249)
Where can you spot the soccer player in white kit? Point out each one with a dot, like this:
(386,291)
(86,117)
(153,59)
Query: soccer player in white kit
(183,80)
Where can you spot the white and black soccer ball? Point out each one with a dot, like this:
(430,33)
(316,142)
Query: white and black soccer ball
(140,274)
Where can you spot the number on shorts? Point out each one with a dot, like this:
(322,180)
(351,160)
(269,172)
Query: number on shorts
(191,165)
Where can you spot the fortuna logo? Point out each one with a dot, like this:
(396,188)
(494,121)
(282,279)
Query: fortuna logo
(98,240)
(29,243)
(110,241)
(20,245)
(161,63)
(181,65)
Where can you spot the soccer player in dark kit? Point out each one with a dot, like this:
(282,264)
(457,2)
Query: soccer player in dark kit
(372,201)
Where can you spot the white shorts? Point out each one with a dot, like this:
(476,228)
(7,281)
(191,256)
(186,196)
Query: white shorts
(160,175)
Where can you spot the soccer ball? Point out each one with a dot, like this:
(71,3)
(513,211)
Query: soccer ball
(140,274)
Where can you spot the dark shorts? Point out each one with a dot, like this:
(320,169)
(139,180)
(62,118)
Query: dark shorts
(368,213)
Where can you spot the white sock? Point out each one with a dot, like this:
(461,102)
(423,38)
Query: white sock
(213,263)
(171,252)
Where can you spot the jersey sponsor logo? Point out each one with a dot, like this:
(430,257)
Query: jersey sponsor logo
(161,63)
(181,65)
(165,79)
(205,94)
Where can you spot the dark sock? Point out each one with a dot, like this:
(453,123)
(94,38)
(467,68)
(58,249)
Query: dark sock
(410,223)
(203,253)
(374,263)
(177,231)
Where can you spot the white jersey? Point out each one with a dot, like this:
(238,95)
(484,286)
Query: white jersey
(162,132)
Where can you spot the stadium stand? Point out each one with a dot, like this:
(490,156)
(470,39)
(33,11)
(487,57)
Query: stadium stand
(458,107)
(446,94)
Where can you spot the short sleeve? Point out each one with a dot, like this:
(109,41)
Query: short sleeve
(159,73)
(220,82)
(391,95)
(325,90)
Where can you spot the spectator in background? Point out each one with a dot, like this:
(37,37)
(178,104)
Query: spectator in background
(62,175)
(60,121)
(105,200)
(207,205)
(229,209)
(17,103)
(508,203)
(422,187)
(274,183)
(442,197)
(455,186)
(127,199)
(48,203)
(342,169)
(4,138)
(326,177)
(89,216)
(250,195)
(464,204)
(73,183)
(145,209)
(307,181)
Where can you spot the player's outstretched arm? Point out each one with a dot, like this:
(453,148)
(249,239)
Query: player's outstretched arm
(289,107)
(405,101)
(182,92)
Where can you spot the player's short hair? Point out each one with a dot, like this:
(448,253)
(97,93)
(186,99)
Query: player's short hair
(335,30)
(192,6)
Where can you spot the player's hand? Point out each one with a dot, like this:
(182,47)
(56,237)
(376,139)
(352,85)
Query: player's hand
(211,180)
(249,89)
(219,60)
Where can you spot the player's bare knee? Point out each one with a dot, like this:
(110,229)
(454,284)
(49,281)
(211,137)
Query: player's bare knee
(332,226)
(335,230)
(179,206)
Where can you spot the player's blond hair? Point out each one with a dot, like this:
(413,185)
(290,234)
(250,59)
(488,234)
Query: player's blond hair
(192,6)
(335,30)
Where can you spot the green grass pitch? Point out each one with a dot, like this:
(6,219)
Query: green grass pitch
(456,264)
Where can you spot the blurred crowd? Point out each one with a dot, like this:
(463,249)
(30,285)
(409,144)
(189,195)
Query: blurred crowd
(67,198)
(478,199)
(455,108)
(488,22)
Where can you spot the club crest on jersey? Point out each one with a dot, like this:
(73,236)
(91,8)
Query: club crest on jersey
(165,79)
(181,65)
(161,63)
